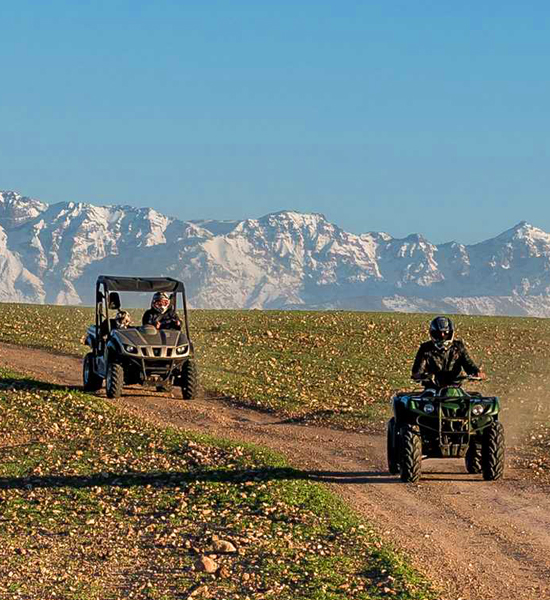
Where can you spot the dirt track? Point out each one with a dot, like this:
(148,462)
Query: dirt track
(478,540)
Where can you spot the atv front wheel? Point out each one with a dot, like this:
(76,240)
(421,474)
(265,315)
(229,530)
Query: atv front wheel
(492,452)
(393,451)
(411,453)
(92,382)
(114,381)
(473,458)
(189,380)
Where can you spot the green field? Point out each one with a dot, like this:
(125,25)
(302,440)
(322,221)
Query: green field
(98,505)
(336,366)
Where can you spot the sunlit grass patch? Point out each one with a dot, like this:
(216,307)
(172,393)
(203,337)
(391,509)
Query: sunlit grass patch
(337,367)
(96,504)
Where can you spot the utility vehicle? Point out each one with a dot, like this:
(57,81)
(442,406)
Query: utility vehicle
(445,422)
(138,354)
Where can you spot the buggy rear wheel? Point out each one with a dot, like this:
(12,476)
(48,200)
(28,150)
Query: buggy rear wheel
(473,458)
(114,381)
(393,451)
(411,453)
(492,452)
(189,380)
(92,382)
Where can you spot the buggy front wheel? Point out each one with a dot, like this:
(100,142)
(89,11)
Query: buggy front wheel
(92,382)
(189,380)
(114,381)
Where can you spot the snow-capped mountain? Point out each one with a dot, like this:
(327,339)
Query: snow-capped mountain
(53,254)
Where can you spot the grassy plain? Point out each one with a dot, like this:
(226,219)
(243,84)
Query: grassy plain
(97,505)
(128,509)
(336,367)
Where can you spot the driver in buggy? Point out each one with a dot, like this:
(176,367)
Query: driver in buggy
(440,361)
(161,314)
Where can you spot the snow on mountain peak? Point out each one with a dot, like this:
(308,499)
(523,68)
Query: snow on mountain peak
(15,209)
(53,253)
(523,230)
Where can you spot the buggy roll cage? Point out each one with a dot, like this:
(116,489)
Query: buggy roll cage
(136,284)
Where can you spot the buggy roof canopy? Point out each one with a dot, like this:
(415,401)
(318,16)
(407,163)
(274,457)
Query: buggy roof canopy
(140,284)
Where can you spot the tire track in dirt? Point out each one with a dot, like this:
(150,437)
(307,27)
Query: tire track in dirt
(477,540)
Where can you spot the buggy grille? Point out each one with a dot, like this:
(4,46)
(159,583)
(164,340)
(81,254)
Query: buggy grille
(156,351)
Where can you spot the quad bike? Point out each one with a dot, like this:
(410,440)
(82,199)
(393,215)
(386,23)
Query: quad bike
(445,422)
(138,355)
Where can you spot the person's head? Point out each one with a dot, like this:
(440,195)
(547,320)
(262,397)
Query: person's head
(442,332)
(160,302)
(123,319)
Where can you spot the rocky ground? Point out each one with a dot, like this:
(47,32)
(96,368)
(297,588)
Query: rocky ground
(478,540)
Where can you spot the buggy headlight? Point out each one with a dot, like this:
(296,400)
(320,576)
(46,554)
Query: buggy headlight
(429,408)
(131,349)
(181,350)
(477,409)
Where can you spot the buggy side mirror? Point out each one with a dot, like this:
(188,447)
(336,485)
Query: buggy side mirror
(114,301)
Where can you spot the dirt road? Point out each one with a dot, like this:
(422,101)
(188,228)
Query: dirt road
(477,540)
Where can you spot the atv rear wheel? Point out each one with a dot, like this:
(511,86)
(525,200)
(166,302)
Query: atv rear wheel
(114,381)
(92,382)
(473,458)
(189,380)
(411,453)
(393,450)
(492,452)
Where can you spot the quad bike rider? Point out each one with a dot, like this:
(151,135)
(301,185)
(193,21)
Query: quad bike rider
(443,420)
(441,360)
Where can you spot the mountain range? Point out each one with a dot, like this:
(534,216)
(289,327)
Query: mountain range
(285,260)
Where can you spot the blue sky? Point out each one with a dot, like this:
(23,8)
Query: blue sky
(394,116)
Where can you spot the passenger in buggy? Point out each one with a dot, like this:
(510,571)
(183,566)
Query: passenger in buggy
(122,319)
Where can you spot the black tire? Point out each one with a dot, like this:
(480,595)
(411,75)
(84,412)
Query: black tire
(492,452)
(189,380)
(393,450)
(114,382)
(92,382)
(473,458)
(411,453)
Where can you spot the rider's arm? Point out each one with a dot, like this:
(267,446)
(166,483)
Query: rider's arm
(171,320)
(467,363)
(419,366)
(177,321)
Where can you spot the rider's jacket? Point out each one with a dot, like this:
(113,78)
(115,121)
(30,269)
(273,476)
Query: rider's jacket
(167,320)
(443,365)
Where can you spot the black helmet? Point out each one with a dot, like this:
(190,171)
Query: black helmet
(442,331)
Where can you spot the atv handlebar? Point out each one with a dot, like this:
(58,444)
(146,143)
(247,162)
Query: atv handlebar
(460,378)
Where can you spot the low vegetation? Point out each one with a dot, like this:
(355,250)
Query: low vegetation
(96,505)
(336,367)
